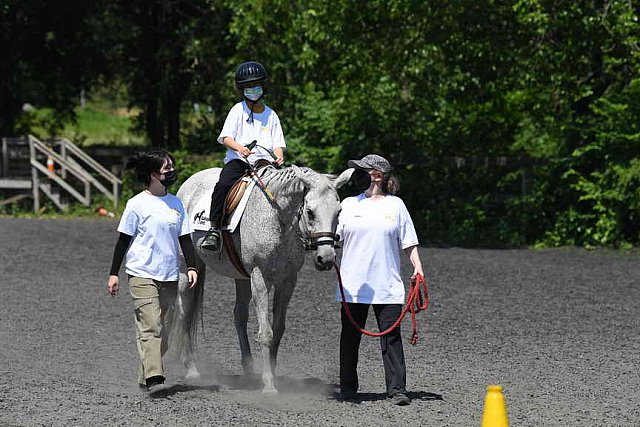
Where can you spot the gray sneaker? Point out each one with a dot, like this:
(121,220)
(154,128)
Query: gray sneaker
(212,240)
(400,399)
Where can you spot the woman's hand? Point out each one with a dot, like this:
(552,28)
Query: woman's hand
(193,278)
(113,285)
(416,271)
(279,161)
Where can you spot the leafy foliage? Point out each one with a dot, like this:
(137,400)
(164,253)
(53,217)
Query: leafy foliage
(507,123)
(47,58)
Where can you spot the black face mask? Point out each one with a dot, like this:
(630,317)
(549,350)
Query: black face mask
(169,178)
(361,179)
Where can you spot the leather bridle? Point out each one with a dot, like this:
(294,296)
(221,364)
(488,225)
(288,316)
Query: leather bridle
(311,240)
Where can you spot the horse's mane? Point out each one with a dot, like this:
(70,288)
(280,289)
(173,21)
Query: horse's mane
(279,180)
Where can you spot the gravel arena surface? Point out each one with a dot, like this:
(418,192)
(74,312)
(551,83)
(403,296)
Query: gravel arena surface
(558,329)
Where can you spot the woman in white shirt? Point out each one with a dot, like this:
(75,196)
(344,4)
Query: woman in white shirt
(375,227)
(248,121)
(153,228)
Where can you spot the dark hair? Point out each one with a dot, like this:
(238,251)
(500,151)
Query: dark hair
(390,184)
(147,161)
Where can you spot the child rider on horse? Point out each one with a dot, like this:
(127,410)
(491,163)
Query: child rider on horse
(249,120)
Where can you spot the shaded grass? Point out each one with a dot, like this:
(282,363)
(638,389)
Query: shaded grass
(96,125)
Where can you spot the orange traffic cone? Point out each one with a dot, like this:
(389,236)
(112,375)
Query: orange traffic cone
(495,409)
(50,164)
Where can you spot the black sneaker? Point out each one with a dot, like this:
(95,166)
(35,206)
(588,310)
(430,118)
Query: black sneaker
(347,394)
(156,386)
(211,241)
(400,399)
(155,380)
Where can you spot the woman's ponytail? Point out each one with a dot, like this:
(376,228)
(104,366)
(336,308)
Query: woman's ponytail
(144,162)
(390,185)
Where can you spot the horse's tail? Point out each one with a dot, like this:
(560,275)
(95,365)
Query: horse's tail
(186,316)
(196,312)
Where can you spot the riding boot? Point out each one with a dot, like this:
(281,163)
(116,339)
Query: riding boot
(213,240)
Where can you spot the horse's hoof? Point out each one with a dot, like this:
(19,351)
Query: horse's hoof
(269,391)
(192,375)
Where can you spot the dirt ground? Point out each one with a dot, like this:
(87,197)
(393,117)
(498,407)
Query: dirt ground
(558,329)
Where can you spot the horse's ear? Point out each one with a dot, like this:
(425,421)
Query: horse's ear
(300,180)
(305,178)
(342,179)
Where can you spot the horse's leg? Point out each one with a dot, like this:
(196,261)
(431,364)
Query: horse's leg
(240,318)
(260,290)
(281,297)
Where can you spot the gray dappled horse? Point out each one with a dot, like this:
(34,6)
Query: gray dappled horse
(270,241)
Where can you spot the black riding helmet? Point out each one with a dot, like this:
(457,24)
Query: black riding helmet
(250,72)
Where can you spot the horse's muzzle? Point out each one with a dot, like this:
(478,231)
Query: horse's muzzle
(325,257)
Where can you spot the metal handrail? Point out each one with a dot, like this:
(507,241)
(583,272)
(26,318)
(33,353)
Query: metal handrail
(37,146)
(90,161)
(80,173)
(71,160)
(75,193)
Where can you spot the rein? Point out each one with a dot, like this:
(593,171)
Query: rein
(416,302)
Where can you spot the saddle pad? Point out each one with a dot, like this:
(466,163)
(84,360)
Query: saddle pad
(200,216)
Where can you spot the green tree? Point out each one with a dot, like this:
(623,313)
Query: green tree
(579,70)
(164,50)
(47,59)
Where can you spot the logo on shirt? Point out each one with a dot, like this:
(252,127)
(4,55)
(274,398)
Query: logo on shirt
(173,216)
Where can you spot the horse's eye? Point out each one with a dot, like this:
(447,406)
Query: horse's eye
(310,215)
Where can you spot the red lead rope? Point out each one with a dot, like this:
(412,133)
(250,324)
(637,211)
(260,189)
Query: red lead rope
(416,301)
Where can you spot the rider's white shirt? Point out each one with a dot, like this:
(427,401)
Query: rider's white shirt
(155,224)
(265,129)
(373,232)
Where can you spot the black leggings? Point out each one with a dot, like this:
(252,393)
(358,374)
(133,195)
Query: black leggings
(390,344)
(230,173)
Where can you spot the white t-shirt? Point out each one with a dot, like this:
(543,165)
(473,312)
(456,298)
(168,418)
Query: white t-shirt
(155,224)
(374,233)
(265,129)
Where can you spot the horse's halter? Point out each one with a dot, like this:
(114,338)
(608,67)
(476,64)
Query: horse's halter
(311,240)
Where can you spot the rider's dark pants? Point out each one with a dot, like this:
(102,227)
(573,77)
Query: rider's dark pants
(390,344)
(230,173)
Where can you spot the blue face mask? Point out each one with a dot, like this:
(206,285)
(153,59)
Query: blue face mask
(253,93)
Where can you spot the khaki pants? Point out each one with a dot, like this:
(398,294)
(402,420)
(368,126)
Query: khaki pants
(153,303)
